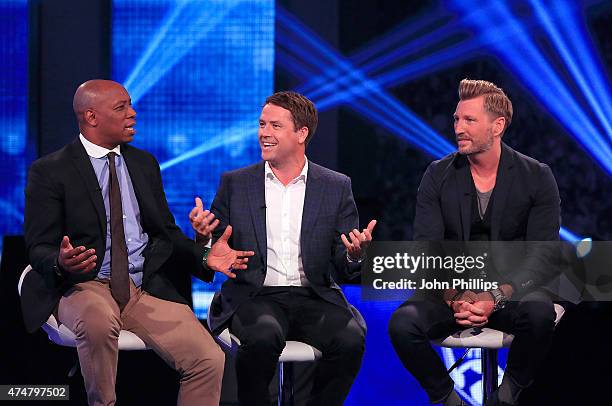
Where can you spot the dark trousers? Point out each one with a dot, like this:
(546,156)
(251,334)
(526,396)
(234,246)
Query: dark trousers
(277,314)
(414,323)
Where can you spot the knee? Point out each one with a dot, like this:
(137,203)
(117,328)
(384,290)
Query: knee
(201,354)
(215,361)
(537,316)
(262,339)
(211,355)
(96,322)
(403,324)
(351,340)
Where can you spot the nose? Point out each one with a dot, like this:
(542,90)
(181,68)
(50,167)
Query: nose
(264,131)
(458,127)
(131,112)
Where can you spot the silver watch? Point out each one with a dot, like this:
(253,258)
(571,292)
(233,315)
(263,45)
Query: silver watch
(499,299)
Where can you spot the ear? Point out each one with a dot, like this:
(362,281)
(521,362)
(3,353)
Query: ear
(498,126)
(302,135)
(89,116)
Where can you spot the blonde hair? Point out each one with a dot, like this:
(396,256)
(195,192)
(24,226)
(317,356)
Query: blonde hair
(496,102)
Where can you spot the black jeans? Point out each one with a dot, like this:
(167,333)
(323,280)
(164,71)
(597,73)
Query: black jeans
(415,322)
(277,314)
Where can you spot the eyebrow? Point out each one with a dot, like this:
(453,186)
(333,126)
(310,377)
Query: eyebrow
(117,103)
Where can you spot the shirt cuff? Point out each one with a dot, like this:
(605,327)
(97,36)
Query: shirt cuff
(351,260)
(205,256)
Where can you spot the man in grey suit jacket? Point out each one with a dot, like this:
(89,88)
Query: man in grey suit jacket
(301,221)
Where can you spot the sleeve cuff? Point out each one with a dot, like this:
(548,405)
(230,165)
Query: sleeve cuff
(352,261)
(205,256)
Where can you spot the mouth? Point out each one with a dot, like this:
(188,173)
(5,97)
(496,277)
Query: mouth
(267,146)
(130,128)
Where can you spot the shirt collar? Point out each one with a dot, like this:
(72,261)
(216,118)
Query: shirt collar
(96,151)
(302,176)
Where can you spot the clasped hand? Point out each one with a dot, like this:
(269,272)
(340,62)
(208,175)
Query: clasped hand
(473,309)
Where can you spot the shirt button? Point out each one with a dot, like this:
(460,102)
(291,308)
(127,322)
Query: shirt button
(124,216)
(129,240)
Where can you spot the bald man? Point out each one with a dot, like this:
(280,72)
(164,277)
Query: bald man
(103,243)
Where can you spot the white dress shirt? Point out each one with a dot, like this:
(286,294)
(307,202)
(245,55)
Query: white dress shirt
(284,207)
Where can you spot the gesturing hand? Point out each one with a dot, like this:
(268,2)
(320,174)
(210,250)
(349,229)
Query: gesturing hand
(360,241)
(202,222)
(224,259)
(77,259)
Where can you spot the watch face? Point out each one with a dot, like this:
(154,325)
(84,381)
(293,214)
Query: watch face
(500,302)
(500,299)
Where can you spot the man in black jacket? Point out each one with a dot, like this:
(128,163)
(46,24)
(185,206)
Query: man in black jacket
(102,244)
(485,191)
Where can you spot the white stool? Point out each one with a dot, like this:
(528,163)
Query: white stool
(489,341)
(294,351)
(61,335)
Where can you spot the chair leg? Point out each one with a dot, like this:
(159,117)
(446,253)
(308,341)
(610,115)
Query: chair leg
(285,384)
(459,361)
(75,368)
(488,360)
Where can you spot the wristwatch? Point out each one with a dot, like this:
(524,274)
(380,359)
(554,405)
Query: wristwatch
(58,271)
(499,299)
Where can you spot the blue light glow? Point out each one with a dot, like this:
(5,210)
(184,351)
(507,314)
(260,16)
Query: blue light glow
(540,77)
(14,152)
(568,235)
(572,63)
(340,83)
(582,47)
(417,56)
(295,38)
(188,23)
(198,73)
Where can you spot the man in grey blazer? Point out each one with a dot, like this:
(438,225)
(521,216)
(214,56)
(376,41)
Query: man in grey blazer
(300,219)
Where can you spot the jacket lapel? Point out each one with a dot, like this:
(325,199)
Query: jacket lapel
(85,169)
(464,194)
(315,186)
(257,204)
(503,184)
(139,181)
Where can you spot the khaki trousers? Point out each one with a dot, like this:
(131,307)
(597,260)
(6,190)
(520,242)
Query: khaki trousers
(168,328)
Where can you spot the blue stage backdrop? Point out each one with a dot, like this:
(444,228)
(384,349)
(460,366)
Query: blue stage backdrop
(198,73)
(14,151)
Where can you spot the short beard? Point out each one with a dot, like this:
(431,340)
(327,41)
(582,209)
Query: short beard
(481,147)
